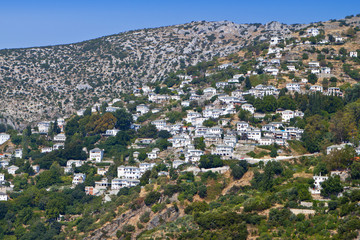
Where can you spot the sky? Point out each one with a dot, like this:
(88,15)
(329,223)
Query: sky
(30,23)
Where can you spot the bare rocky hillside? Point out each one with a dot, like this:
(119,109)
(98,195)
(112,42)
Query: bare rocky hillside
(42,82)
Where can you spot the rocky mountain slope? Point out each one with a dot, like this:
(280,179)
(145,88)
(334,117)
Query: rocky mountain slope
(43,82)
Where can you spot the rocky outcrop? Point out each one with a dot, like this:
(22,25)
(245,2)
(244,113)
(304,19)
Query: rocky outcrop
(109,230)
(44,82)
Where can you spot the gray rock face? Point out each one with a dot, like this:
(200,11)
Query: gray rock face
(57,80)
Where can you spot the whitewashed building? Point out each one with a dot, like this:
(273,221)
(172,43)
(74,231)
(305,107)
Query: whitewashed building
(223,150)
(4,137)
(128,172)
(96,154)
(248,107)
(78,178)
(118,183)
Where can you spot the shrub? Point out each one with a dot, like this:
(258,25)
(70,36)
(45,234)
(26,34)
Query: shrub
(152,197)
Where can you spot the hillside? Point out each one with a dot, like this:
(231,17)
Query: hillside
(40,83)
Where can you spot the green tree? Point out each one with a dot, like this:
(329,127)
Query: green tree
(210,161)
(199,143)
(312,78)
(332,186)
(151,198)
(123,119)
(239,169)
(355,170)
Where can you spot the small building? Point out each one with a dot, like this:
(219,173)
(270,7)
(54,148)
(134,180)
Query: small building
(248,107)
(96,154)
(43,127)
(4,137)
(295,87)
(318,180)
(60,137)
(314,64)
(102,170)
(12,169)
(336,147)
(142,109)
(223,150)
(112,132)
(353,54)
(3,196)
(128,172)
(46,149)
(118,183)
(146,166)
(36,168)
(177,163)
(19,153)
(78,178)
(153,154)
(316,88)
(287,115)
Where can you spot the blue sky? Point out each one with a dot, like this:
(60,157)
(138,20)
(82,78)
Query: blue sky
(27,23)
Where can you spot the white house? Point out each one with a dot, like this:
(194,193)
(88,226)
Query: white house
(3,196)
(180,141)
(43,127)
(102,170)
(153,154)
(146,166)
(268,128)
(316,88)
(313,32)
(291,68)
(112,109)
(185,103)
(2,177)
(339,39)
(193,155)
(142,109)
(78,178)
(177,163)
(334,91)
(4,137)
(275,40)
(318,180)
(336,147)
(102,185)
(159,124)
(314,64)
(118,183)
(128,172)
(60,137)
(223,150)
(230,141)
(353,54)
(266,141)
(96,154)
(287,115)
(75,163)
(36,168)
(325,70)
(112,132)
(210,91)
(298,113)
(253,134)
(315,71)
(18,153)
(242,126)
(248,107)
(293,87)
